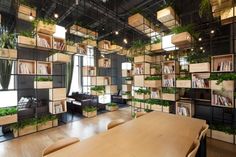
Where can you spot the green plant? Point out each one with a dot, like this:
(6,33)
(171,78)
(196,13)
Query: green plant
(156,40)
(24,123)
(44,119)
(89,109)
(169,90)
(139,100)
(184,78)
(198,57)
(205,8)
(99,89)
(8,111)
(142,91)
(129,78)
(220,77)
(223,128)
(112,104)
(69,42)
(153,78)
(127,93)
(5,73)
(187,28)
(43,79)
(8,40)
(137,47)
(158,102)
(29,34)
(45,21)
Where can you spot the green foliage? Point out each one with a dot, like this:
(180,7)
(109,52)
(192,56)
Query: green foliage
(8,111)
(142,91)
(43,79)
(24,123)
(129,78)
(156,40)
(126,93)
(137,47)
(184,78)
(5,73)
(44,119)
(139,100)
(8,41)
(45,21)
(180,29)
(89,108)
(158,102)
(112,104)
(169,90)
(223,128)
(130,59)
(70,42)
(198,57)
(29,34)
(204,8)
(99,89)
(220,77)
(153,78)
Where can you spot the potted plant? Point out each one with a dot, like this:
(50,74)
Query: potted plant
(27,38)
(153,81)
(139,103)
(183,82)
(155,69)
(222,80)
(26,11)
(126,95)
(137,48)
(166,106)
(5,73)
(155,46)
(24,127)
(44,122)
(43,82)
(8,45)
(98,90)
(223,133)
(170,94)
(89,111)
(8,115)
(142,93)
(90,41)
(155,104)
(112,106)
(46,26)
(71,47)
(199,62)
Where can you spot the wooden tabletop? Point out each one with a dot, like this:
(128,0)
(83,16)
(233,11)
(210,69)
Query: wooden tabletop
(156,134)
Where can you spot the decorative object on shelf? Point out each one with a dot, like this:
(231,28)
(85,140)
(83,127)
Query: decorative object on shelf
(43,83)
(89,111)
(27,38)
(45,26)
(222,63)
(112,107)
(222,98)
(26,11)
(98,90)
(59,44)
(141,68)
(8,115)
(185,108)
(5,73)
(200,80)
(183,82)
(223,132)
(170,67)
(44,68)
(168,81)
(57,106)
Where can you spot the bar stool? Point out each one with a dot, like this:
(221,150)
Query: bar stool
(115,123)
(194,149)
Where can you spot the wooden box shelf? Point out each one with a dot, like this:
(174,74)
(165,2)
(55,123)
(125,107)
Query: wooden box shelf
(27,67)
(183,39)
(126,88)
(141,68)
(155,93)
(44,126)
(111,89)
(199,67)
(89,71)
(8,53)
(96,93)
(219,135)
(157,47)
(141,96)
(144,58)
(115,48)
(90,42)
(227,15)
(166,109)
(71,49)
(44,40)
(44,68)
(222,63)
(104,63)
(126,73)
(222,99)
(59,57)
(8,119)
(169,80)
(27,130)
(219,8)
(201,80)
(57,94)
(170,67)
(226,85)
(81,49)
(90,114)
(185,108)
(46,28)
(24,12)
(183,83)
(83,32)
(57,107)
(59,44)
(101,80)
(156,107)
(152,83)
(111,108)
(170,97)
(104,45)
(126,97)
(26,41)
(43,84)
(142,24)
(139,80)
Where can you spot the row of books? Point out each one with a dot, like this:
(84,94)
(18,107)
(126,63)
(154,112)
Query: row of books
(155,94)
(43,42)
(139,70)
(225,66)
(58,108)
(169,82)
(168,69)
(200,83)
(59,45)
(184,111)
(220,100)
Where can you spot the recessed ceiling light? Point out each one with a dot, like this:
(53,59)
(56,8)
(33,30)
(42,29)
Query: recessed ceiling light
(212,31)
(56,15)
(201,48)
(192,49)
(116,32)
(199,39)
(125,41)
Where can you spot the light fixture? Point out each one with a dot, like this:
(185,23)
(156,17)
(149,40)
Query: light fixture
(116,32)
(56,15)
(212,31)
(199,39)
(192,49)
(31,16)
(201,48)
(125,41)
(203,51)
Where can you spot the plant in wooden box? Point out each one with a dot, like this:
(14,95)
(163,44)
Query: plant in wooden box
(223,132)
(142,93)
(139,103)
(24,127)
(90,41)
(27,38)
(126,95)
(183,82)
(43,82)
(46,26)
(71,47)
(153,81)
(8,45)
(60,57)
(155,104)
(222,80)
(44,122)
(129,80)
(155,45)
(199,62)
(8,115)
(112,106)
(137,48)
(98,90)
(89,111)
(155,69)
(170,94)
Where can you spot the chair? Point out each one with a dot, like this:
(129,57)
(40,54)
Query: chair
(59,145)
(139,114)
(115,123)
(203,132)
(194,149)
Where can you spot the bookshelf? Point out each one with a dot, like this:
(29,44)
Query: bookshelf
(26,67)
(44,68)
(201,80)
(222,63)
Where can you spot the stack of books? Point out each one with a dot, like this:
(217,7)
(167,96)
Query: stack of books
(220,100)
(169,69)
(139,70)
(58,45)
(169,82)
(42,42)
(225,66)
(199,82)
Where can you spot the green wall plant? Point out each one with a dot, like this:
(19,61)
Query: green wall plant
(5,73)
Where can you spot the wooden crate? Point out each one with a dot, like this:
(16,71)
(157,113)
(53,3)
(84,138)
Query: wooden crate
(199,67)
(59,44)
(227,85)
(152,83)
(24,12)
(170,97)
(27,130)
(216,102)
(83,32)
(111,89)
(8,119)
(126,97)
(112,108)
(139,80)
(46,28)
(57,94)
(100,80)
(57,107)
(141,68)
(60,57)
(183,83)
(115,48)
(217,61)
(96,93)
(44,126)
(154,47)
(166,109)
(27,67)
(199,84)
(104,45)
(156,107)
(168,64)
(26,41)
(90,114)
(8,53)
(126,88)
(227,15)
(44,68)
(219,135)
(43,84)
(182,39)
(126,73)
(129,82)
(144,58)
(89,71)
(185,108)
(104,63)
(208,133)
(90,42)
(219,8)
(55,122)
(141,96)
(82,49)
(44,41)
(71,49)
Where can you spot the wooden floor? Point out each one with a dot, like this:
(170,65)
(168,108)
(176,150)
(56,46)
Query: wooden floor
(32,145)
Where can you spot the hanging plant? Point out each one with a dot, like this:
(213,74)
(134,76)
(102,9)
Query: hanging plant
(205,8)
(137,48)
(8,40)
(5,73)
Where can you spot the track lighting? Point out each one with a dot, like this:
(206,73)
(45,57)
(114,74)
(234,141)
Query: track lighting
(116,32)
(125,41)
(192,49)
(212,31)
(199,39)
(56,15)
(201,48)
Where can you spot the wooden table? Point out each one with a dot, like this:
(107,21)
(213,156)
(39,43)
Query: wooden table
(156,134)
